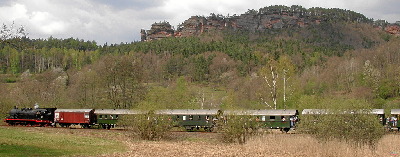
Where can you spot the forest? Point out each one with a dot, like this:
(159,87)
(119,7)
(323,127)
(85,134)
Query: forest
(311,67)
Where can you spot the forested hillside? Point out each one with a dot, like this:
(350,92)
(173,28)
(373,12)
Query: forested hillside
(289,67)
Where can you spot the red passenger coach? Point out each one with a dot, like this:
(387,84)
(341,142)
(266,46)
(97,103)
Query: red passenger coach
(68,117)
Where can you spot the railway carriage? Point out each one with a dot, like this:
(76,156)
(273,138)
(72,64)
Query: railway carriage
(67,117)
(271,119)
(380,113)
(192,119)
(108,118)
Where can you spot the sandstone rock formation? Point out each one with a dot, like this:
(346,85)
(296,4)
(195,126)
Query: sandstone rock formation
(393,29)
(158,31)
(273,17)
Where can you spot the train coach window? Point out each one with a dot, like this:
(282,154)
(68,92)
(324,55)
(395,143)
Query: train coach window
(183,117)
(101,116)
(272,118)
(105,116)
(263,118)
(190,117)
(116,116)
(198,117)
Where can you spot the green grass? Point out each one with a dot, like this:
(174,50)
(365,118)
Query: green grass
(17,142)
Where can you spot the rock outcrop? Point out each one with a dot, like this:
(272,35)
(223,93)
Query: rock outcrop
(273,17)
(158,31)
(393,29)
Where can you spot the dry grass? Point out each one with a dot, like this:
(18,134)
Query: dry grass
(275,144)
(267,145)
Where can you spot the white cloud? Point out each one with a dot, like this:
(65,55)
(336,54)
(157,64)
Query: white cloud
(13,12)
(47,23)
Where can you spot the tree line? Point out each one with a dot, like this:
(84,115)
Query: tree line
(275,69)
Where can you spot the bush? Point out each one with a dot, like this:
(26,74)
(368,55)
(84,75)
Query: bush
(237,128)
(357,129)
(147,126)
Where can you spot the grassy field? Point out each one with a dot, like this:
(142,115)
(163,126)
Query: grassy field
(30,141)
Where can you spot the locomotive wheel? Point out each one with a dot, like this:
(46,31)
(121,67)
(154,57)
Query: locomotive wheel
(286,130)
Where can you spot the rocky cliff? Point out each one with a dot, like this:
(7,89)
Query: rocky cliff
(393,29)
(273,17)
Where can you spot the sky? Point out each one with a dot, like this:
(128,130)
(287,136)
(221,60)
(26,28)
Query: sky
(116,21)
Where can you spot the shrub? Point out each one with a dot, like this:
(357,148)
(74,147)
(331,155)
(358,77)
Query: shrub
(358,128)
(237,128)
(147,126)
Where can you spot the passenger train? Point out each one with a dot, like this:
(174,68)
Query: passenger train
(190,119)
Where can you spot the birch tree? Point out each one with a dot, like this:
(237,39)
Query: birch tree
(287,69)
(270,75)
(277,81)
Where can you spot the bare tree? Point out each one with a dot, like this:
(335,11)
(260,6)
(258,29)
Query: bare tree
(122,79)
(10,32)
(277,77)
(270,75)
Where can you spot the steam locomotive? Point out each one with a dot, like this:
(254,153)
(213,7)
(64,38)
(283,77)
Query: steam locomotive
(31,116)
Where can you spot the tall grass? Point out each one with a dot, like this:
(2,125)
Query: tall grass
(274,144)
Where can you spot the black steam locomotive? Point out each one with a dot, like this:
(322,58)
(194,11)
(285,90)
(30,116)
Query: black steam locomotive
(31,116)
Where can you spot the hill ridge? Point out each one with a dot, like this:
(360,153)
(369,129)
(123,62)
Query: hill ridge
(267,18)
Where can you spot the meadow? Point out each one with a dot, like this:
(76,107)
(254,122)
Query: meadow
(32,141)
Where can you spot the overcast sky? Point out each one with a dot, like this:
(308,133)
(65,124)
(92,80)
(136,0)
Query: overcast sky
(116,21)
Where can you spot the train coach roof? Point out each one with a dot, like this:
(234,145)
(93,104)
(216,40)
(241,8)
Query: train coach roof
(73,110)
(289,112)
(327,111)
(395,111)
(188,112)
(378,111)
(314,111)
(117,111)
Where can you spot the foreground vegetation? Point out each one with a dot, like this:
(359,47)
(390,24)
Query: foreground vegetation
(30,142)
(147,126)
(78,141)
(275,144)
